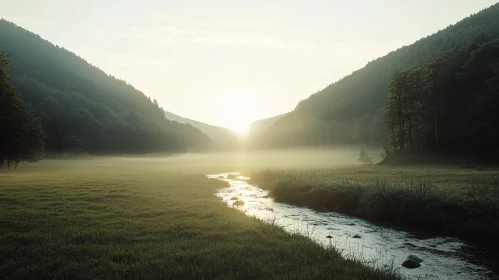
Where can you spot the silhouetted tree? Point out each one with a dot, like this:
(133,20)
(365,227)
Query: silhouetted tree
(21,134)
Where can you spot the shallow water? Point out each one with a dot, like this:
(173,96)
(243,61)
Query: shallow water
(443,257)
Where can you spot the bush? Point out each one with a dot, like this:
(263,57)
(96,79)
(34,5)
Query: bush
(364,157)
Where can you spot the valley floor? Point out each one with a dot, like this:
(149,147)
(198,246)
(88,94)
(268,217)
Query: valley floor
(145,219)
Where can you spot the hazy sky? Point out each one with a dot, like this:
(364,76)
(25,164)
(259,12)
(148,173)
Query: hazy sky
(230,62)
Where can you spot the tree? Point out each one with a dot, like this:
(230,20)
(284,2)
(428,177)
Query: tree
(399,110)
(364,157)
(21,135)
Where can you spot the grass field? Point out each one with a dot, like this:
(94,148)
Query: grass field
(448,200)
(146,218)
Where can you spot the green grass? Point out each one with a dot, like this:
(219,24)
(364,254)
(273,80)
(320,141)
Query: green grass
(97,218)
(436,200)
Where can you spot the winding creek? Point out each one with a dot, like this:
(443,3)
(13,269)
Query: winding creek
(443,257)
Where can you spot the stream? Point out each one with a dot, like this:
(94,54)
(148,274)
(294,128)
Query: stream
(443,257)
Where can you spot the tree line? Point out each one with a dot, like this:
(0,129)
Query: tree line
(447,104)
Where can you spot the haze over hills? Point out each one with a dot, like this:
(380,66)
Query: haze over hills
(82,109)
(224,138)
(220,136)
(259,126)
(351,109)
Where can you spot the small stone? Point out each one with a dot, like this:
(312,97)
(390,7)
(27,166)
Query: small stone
(238,203)
(356,236)
(329,236)
(409,263)
(415,258)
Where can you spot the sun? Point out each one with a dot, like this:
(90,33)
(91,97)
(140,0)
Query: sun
(240,110)
(241,128)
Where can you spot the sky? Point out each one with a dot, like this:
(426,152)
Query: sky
(230,62)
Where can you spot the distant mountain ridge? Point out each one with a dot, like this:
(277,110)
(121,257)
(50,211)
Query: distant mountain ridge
(220,136)
(259,126)
(350,111)
(82,109)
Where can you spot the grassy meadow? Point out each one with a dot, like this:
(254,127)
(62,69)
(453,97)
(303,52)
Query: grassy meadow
(148,218)
(435,200)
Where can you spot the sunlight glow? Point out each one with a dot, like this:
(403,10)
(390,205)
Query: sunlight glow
(241,128)
(241,109)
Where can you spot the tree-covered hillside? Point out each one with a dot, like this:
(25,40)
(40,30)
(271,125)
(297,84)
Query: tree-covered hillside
(351,110)
(84,109)
(448,104)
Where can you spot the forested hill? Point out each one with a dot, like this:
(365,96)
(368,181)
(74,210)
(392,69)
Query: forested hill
(351,110)
(84,109)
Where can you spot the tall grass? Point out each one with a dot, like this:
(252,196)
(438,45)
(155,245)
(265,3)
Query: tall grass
(459,203)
